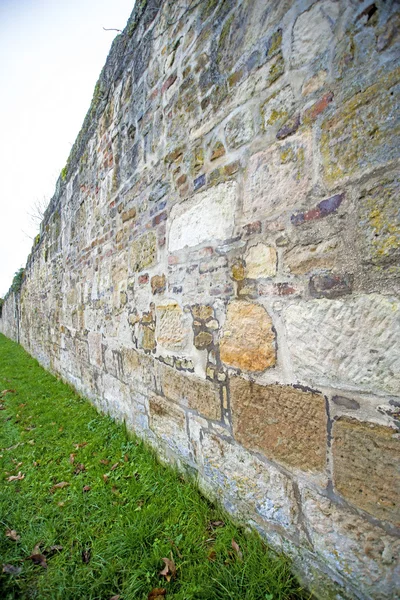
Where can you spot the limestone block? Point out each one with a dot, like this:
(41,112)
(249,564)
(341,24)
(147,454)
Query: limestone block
(302,259)
(363,132)
(168,422)
(277,108)
(353,342)
(248,340)
(284,423)
(354,548)
(143,252)
(209,215)
(260,261)
(192,392)
(172,331)
(278,179)
(245,481)
(313,32)
(95,354)
(239,130)
(367,467)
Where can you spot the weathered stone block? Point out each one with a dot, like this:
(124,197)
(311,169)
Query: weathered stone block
(366,459)
(284,423)
(302,259)
(172,332)
(363,133)
(330,285)
(239,130)
(207,216)
(277,108)
(248,340)
(191,392)
(95,354)
(353,342)
(252,487)
(158,284)
(168,422)
(353,548)
(313,32)
(260,261)
(143,252)
(278,178)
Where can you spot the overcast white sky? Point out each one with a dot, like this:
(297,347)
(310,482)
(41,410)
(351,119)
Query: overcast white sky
(51,54)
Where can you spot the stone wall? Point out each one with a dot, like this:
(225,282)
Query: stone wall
(219,267)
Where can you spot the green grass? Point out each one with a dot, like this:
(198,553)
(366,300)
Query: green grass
(126,523)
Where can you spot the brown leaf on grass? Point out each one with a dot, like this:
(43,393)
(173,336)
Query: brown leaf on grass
(11,570)
(38,559)
(104,461)
(169,571)
(114,466)
(12,535)
(114,490)
(4,392)
(81,445)
(16,477)
(86,488)
(79,468)
(237,549)
(58,486)
(215,524)
(157,594)
(86,555)
(212,555)
(54,549)
(117,597)
(71,458)
(2,407)
(105,478)
(126,458)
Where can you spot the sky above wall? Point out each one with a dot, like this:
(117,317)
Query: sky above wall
(51,54)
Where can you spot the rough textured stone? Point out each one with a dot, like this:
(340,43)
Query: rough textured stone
(284,423)
(239,130)
(143,252)
(248,340)
(168,421)
(208,216)
(172,331)
(277,109)
(253,488)
(366,460)
(278,178)
(354,548)
(260,261)
(313,32)
(353,342)
(158,284)
(191,392)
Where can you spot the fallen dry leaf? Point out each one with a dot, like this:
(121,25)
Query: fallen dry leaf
(58,486)
(2,407)
(4,392)
(126,458)
(86,488)
(157,594)
(215,524)
(71,458)
(11,570)
(105,478)
(79,468)
(16,477)
(237,549)
(81,445)
(169,571)
(38,559)
(114,466)
(117,597)
(12,535)
(104,461)
(54,549)
(212,555)
(86,554)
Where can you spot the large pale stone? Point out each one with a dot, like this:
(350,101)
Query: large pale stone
(278,179)
(353,342)
(253,488)
(313,31)
(143,252)
(355,549)
(260,261)
(168,421)
(284,423)
(363,133)
(367,467)
(192,392)
(248,340)
(208,216)
(95,352)
(172,331)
